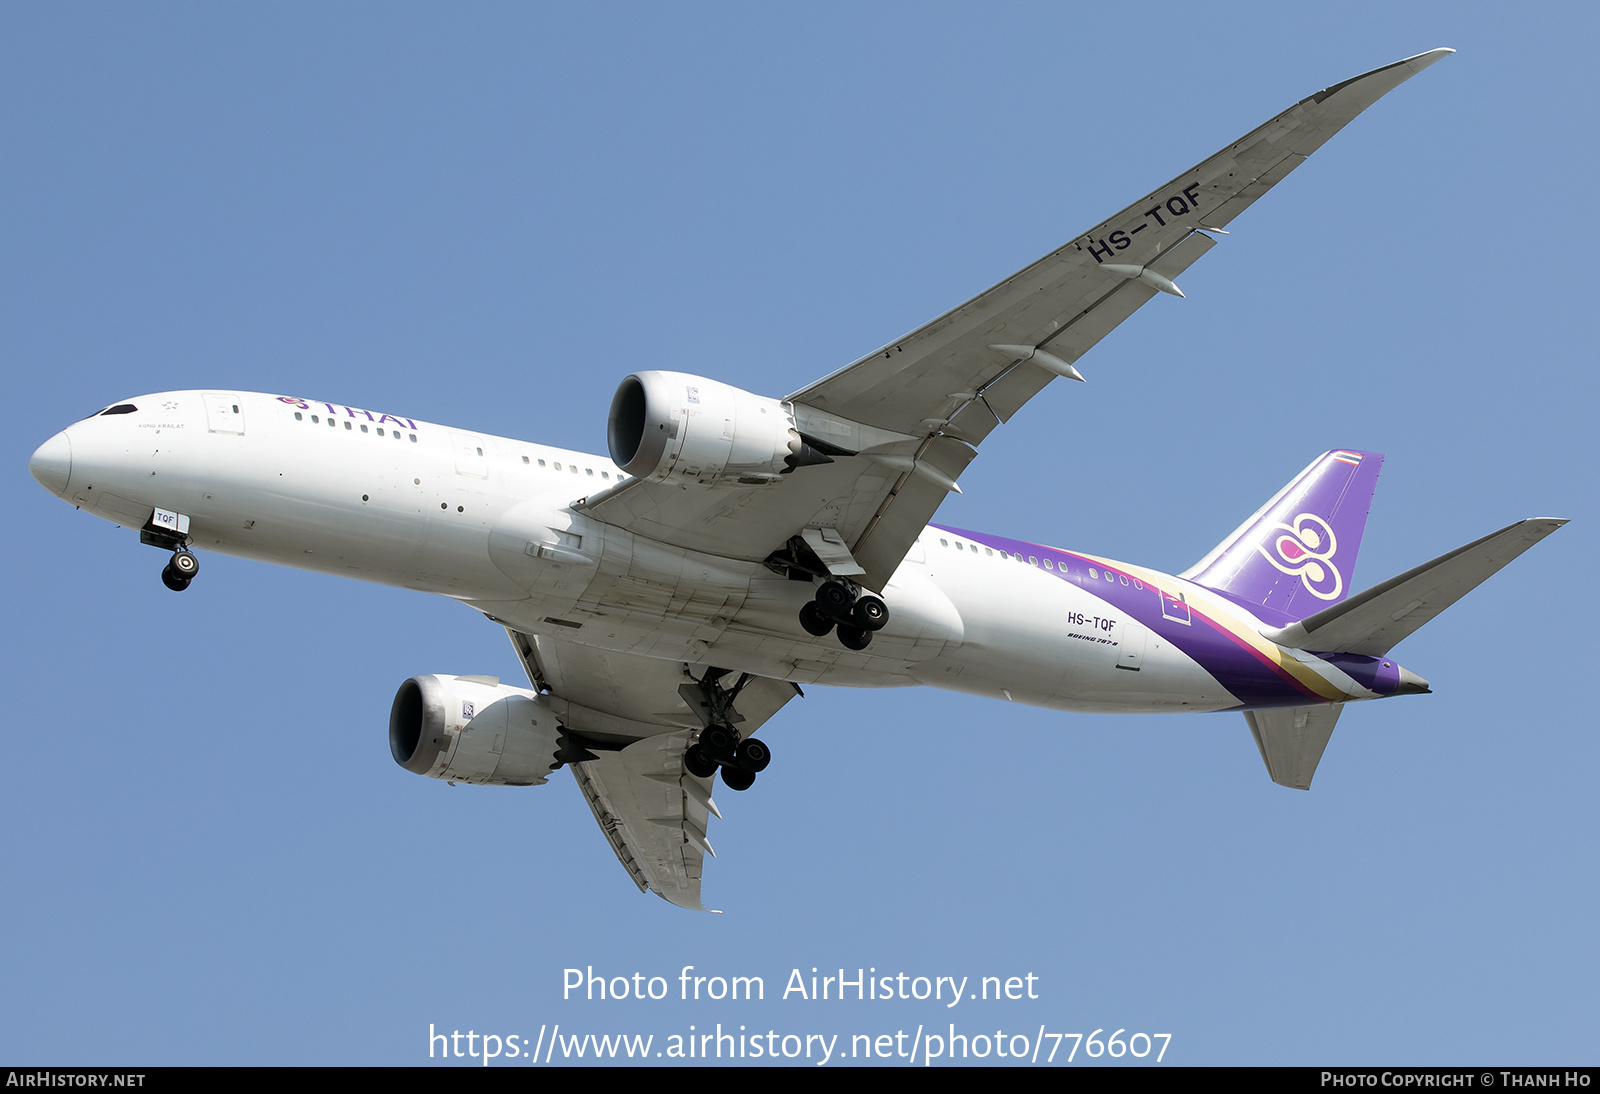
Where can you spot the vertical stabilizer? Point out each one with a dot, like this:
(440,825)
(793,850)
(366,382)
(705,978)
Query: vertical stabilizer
(1297,554)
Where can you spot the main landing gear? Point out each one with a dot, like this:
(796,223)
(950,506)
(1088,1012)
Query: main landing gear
(721,747)
(719,744)
(857,614)
(180,570)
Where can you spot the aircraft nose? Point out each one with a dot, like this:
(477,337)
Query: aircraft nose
(52,464)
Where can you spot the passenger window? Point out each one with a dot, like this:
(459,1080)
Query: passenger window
(524,459)
(558,465)
(332,424)
(589,471)
(347,425)
(363,429)
(1093,572)
(1032,561)
(1047,565)
(380,431)
(298,417)
(605,475)
(541,463)
(573,468)
(944,543)
(989,551)
(413,437)
(480,451)
(314,419)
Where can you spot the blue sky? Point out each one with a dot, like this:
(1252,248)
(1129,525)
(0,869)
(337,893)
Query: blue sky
(487,218)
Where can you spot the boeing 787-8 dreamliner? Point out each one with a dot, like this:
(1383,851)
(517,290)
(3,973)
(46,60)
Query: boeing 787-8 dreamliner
(670,599)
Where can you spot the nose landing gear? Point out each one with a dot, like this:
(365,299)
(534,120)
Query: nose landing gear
(170,532)
(180,570)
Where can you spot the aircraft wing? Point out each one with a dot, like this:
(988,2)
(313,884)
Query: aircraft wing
(628,725)
(920,404)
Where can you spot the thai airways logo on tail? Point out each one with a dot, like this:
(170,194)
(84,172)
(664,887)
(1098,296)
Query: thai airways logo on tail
(1306,550)
(1296,555)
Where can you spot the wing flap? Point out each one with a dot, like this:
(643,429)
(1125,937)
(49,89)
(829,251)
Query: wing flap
(901,516)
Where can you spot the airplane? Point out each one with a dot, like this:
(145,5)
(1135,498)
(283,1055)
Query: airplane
(670,598)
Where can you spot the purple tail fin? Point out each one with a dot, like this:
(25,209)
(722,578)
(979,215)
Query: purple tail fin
(1297,555)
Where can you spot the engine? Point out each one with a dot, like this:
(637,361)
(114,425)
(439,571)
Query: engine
(473,729)
(674,427)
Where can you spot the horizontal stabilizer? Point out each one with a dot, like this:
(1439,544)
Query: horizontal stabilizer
(1374,622)
(1292,741)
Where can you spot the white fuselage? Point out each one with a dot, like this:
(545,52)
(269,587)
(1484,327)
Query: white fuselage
(490,522)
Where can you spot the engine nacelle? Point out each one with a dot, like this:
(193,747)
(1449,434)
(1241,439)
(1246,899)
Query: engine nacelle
(674,427)
(473,729)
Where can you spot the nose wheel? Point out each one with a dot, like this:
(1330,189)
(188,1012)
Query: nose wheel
(180,570)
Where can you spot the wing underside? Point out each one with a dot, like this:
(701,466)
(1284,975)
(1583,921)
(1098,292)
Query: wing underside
(630,716)
(941,389)
(653,813)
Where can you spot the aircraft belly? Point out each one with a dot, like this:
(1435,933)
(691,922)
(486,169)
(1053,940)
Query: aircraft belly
(601,586)
(642,597)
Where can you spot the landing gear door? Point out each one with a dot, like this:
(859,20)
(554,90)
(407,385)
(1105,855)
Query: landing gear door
(224,413)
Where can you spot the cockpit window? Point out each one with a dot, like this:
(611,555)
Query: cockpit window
(120,408)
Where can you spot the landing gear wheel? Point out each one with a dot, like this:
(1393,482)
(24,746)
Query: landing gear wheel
(752,756)
(173,581)
(813,621)
(696,763)
(870,613)
(854,638)
(184,565)
(717,743)
(834,599)
(737,778)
